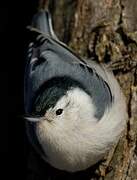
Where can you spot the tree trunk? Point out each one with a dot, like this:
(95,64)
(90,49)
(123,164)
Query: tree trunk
(104,31)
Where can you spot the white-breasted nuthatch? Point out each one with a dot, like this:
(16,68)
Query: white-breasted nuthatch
(75,108)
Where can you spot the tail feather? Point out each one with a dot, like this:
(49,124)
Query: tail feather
(43,23)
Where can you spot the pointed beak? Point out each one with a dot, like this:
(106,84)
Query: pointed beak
(33,119)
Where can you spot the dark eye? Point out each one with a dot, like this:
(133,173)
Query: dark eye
(59,111)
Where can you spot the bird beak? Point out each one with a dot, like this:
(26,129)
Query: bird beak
(33,119)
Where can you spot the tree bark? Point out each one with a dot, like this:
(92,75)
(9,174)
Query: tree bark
(105,31)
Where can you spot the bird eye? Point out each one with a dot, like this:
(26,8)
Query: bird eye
(59,112)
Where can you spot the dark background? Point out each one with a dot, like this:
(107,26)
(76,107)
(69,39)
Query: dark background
(14,17)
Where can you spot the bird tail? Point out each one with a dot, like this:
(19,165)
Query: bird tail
(42,22)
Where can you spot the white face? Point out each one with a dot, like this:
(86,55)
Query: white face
(73,108)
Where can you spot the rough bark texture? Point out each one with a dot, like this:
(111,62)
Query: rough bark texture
(105,31)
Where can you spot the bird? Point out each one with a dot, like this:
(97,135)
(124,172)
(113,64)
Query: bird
(74,107)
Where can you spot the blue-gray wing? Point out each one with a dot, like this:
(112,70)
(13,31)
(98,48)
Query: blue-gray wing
(49,58)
